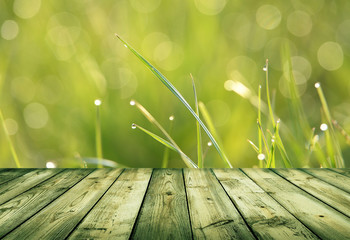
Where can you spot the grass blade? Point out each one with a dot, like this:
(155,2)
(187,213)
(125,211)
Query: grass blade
(264,139)
(98,139)
(280,146)
(199,135)
(331,140)
(12,148)
(168,84)
(152,120)
(257,150)
(156,137)
(167,144)
(266,69)
(166,150)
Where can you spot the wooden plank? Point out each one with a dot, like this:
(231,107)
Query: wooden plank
(329,194)
(8,174)
(21,184)
(164,213)
(266,217)
(25,205)
(338,180)
(213,215)
(321,219)
(343,171)
(59,218)
(115,214)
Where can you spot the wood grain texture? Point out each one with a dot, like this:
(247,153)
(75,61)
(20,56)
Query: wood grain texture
(21,184)
(114,215)
(164,213)
(343,171)
(213,216)
(58,219)
(329,194)
(266,217)
(17,210)
(338,180)
(321,219)
(8,174)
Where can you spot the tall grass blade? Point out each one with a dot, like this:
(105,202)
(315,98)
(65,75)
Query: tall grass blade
(280,146)
(168,84)
(331,140)
(166,150)
(259,120)
(12,148)
(199,135)
(152,120)
(98,139)
(264,140)
(266,69)
(342,131)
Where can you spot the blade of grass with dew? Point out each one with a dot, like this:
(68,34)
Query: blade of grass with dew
(156,137)
(264,140)
(168,84)
(152,120)
(259,120)
(280,146)
(12,148)
(166,150)
(98,132)
(338,158)
(189,162)
(199,135)
(266,69)
(271,163)
(257,150)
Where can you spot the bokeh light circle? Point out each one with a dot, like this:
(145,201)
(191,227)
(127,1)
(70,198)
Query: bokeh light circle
(268,17)
(145,6)
(210,7)
(299,23)
(26,9)
(35,115)
(330,56)
(9,30)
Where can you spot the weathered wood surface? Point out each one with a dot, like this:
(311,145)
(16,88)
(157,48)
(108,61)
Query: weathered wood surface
(174,203)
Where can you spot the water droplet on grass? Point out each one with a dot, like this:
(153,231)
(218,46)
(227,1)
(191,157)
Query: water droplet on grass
(98,102)
(132,103)
(324,127)
(171,118)
(261,156)
(265,68)
(317,85)
(50,165)
(133,126)
(209,144)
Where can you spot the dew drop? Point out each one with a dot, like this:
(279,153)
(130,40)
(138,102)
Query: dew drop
(98,102)
(323,127)
(133,126)
(125,46)
(50,165)
(265,68)
(317,85)
(132,103)
(171,118)
(261,156)
(209,144)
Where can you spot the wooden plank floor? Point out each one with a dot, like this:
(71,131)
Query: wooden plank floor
(175,204)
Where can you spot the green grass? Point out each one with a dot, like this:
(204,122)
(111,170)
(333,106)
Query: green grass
(170,86)
(12,148)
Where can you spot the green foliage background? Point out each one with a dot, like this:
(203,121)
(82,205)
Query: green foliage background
(65,55)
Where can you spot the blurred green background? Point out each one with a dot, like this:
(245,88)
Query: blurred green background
(57,57)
